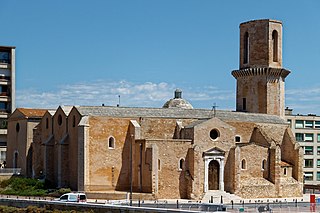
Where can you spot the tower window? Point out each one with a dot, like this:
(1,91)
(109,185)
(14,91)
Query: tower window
(47,123)
(244,104)
(246,48)
(73,121)
(59,120)
(237,139)
(275,45)
(17,127)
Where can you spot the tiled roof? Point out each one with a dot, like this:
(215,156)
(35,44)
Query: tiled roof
(130,112)
(32,113)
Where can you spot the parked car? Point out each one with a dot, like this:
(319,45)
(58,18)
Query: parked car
(73,197)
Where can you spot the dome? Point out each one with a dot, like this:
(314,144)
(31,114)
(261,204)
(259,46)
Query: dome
(178,101)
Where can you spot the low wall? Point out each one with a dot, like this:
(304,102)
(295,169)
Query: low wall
(82,207)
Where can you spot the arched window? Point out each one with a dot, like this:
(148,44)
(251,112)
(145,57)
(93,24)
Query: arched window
(263,166)
(181,164)
(246,48)
(275,45)
(243,164)
(285,171)
(111,143)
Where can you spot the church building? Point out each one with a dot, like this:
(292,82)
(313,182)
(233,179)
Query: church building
(177,151)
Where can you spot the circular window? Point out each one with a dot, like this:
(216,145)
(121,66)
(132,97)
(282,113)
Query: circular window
(59,120)
(214,134)
(17,127)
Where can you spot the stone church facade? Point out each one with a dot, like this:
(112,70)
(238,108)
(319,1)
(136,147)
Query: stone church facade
(177,151)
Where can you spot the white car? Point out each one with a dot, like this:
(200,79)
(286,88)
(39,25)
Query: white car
(73,197)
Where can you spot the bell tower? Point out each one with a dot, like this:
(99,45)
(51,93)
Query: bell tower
(260,78)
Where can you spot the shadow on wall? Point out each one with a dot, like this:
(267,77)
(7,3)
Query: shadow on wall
(185,177)
(123,182)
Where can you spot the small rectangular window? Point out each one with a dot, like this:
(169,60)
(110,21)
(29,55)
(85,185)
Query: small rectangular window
(299,124)
(299,137)
(308,150)
(4,57)
(308,163)
(308,175)
(318,176)
(289,122)
(308,124)
(308,137)
(318,150)
(318,163)
(317,124)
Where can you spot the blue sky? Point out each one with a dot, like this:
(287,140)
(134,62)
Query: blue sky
(80,52)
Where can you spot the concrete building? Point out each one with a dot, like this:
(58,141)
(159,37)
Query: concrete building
(306,129)
(7,94)
(177,151)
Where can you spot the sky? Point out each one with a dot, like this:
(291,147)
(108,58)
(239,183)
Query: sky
(79,52)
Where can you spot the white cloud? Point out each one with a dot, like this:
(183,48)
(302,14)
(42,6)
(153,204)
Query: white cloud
(151,94)
(147,94)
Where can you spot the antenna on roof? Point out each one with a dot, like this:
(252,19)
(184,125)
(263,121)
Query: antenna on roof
(214,106)
(119,101)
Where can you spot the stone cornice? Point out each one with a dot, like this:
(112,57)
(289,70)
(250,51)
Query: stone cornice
(267,71)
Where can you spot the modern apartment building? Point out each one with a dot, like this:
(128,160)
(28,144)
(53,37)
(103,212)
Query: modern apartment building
(7,94)
(306,129)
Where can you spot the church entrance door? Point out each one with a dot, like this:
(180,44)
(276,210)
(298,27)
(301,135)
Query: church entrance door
(213,169)
(213,180)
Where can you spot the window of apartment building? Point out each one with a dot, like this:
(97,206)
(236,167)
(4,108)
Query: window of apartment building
(3,124)
(308,137)
(308,124)
(3,106)
(308,163)
(317,124)
(318,176)
(318,137)
(318,150)
(308,175)
(308,150)
(3,156)
(4,57)
(318,163)
(299,136)
(299,124)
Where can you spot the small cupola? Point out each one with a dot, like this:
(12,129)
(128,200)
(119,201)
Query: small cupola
(178,101)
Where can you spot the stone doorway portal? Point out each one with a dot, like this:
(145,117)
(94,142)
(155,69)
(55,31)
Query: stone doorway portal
(213,180)
(213,169)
